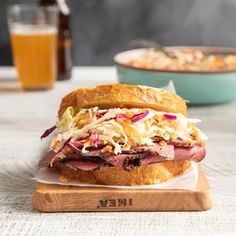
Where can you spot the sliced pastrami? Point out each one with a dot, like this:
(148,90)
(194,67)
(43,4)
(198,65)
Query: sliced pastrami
(177,143)
(45,161)
(195,153)
(150,159)
(83,165)
(165,151)
(126,161)
(141,155)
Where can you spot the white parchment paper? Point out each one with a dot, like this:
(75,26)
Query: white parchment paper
(187,180)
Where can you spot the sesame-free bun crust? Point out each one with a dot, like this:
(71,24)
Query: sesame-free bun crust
(123,95)
(143,175)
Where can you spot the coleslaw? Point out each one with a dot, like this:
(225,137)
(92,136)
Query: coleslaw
(119,129)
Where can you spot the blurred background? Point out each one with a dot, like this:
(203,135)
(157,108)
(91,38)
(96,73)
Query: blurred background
(102,28)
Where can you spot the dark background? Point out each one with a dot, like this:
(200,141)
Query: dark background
(102,28)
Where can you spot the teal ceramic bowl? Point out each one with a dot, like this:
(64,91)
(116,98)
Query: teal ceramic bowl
(196,87)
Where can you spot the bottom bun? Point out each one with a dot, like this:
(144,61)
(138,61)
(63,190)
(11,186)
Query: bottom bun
(143,175)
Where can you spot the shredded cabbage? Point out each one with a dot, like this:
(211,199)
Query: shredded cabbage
(115,127)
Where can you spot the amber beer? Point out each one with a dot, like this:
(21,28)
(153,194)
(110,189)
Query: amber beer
(33,31)
(34,52)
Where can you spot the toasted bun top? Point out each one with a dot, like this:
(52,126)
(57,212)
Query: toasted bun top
(123,95)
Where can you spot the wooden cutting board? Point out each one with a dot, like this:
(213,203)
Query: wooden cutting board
(58,198)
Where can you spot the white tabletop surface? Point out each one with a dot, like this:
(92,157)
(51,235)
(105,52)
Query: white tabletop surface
(23,117)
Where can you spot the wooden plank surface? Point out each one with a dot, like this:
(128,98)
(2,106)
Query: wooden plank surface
(56,198)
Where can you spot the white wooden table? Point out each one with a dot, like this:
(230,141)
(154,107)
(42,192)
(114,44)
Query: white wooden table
(23,117)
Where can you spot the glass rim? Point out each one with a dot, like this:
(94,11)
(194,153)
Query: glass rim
(30,6)
(16,11)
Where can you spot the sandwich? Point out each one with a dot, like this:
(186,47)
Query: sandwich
(123,135)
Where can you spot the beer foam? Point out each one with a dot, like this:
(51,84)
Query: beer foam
(33,29)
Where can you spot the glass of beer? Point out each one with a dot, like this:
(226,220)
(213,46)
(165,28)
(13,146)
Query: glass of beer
(33,31)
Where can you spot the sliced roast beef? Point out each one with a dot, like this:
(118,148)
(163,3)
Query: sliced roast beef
(93,153)
(45,161)
(177,143)
(141,155)
(148,156)
(151,159)
(195,153)
(76,156)
(126,161)
(82,165)
(165,151)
